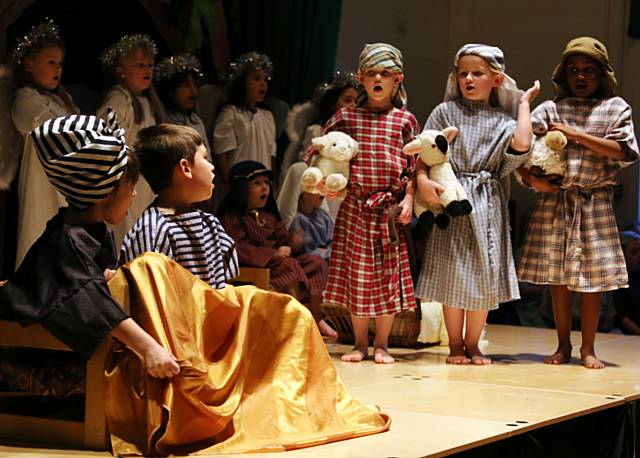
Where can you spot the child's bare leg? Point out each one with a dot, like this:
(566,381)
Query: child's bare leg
(475,323)
(361,348)
(454,322)
(156,359)
(316,310)
(381,342)
(561,297)
(589,314)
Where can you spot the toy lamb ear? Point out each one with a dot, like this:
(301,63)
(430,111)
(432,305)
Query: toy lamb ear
(450,132)
(319,142)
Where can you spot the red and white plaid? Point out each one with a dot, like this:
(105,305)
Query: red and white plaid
(573,238)
(367,274)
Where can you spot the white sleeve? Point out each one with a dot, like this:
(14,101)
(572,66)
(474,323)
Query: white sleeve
(224,134)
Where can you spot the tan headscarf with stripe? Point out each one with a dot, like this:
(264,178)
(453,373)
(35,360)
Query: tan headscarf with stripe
(382,55)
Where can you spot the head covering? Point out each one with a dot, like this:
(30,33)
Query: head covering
(26,44)
(382,55)
(237,197)
(507,93)
(592,48)
(84,157)
(113,55)
(178,64)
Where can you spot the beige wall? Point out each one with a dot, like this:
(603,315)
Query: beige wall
(531,33)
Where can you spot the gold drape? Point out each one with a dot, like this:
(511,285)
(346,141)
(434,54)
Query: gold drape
(255,373)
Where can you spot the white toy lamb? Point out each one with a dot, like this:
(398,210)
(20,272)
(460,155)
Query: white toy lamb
(329,171)
(548,157)
(432,147)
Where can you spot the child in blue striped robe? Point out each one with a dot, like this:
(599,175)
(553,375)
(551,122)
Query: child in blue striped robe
(174,160)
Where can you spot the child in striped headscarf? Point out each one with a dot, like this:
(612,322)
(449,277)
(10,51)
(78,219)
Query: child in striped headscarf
(469,266)
(572,242)
(62,282)
(368,273)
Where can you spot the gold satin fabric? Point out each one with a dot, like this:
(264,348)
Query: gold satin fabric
(255,373)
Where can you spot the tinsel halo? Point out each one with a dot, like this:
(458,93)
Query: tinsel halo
(341,79)
(241,66)
(25,44)
(180,63)
(112,56)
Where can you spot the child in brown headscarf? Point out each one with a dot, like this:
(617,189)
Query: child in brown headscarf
(572,242)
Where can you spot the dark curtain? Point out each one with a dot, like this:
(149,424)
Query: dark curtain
(300,37)
(634,20)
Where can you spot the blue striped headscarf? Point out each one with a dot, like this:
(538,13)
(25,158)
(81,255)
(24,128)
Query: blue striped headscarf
(382,55)
(84,157)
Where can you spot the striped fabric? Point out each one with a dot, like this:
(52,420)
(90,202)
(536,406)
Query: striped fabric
(573,237)
(83,157)
(368,274)
(258,241)
(196,240)
(382,55)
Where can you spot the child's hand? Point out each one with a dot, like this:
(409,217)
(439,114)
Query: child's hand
(568,132)
(160,363)
(542,184)
(406,210)
(282,252)
(109,274)
(295,241)
(430,190)
(531,93)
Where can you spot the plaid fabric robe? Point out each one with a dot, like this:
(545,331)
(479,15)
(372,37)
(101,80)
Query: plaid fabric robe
(573,237)
(366,273)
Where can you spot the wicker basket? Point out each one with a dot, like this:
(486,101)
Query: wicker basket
(404,331)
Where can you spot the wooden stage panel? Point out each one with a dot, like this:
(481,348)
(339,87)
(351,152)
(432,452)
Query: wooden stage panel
(439,409)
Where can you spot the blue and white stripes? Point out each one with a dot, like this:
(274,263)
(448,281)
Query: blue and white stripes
(84,157)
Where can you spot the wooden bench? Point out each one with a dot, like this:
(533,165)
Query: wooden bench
(88,433)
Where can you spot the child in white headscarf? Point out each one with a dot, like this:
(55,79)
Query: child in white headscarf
(469,266)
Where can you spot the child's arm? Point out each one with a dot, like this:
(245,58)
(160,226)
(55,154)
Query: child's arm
(429,190)
(156,359)
(523,133)
(540,184)
(606,147)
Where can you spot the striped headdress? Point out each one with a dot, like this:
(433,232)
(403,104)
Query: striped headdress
(84,157)
(382,55)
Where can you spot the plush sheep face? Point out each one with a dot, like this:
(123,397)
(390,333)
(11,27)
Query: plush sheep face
(336,145)
(555,140)
(432,147)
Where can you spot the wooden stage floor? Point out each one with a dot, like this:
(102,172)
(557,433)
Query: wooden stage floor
(439,409)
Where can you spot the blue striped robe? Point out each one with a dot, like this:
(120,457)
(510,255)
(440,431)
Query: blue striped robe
(196,240)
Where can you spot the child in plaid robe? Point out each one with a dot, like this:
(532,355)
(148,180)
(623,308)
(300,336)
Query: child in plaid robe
(572,242)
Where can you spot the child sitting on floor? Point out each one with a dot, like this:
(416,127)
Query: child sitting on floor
(250,215)
(174,161)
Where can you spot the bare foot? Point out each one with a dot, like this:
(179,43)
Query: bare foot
(327,331)
(590,361)
(457,355)
(382,356)
(477,357)
(561,356)
(354,356)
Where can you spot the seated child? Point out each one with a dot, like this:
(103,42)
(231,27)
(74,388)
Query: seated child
(250,216)
(627,300)
(306,214)
(174,161)
(62,282)
(232,368)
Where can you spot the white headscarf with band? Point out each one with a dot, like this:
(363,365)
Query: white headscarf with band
(84,157)
(508,94)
